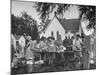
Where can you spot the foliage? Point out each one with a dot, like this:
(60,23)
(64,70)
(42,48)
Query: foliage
(90,13)
(45,9)
(24,24)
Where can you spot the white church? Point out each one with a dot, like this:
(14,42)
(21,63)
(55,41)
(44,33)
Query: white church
(59,27)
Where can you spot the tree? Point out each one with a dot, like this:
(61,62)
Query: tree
(90,14)
(45,9)
(15,25)
(24,24)
(30,26)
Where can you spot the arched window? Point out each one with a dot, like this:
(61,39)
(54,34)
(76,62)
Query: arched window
(57,34)
(52,34)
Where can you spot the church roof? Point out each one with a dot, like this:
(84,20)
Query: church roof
(68,24)
(71,24)
(46,24)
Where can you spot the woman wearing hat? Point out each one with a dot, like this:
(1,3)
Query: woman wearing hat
(30,54)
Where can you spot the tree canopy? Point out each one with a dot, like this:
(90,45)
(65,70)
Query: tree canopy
(24,24)
(90,14)
(45,9)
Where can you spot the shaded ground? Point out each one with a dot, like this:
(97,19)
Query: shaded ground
(40,69)
(59,65)
(44,68)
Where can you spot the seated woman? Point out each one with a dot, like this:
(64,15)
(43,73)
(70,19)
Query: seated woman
(17,55)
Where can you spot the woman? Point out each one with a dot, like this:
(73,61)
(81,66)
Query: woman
(51,50)
(44,48)
(30,54)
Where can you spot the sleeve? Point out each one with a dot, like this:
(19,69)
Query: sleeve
(33,45)
(74,42)
(80,40)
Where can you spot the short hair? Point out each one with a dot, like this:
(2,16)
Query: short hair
(77,35)
(17,42)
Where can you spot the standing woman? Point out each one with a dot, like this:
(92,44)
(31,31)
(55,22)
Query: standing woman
(77,47)
(51,50)
(60,49)
(30,54)
(44,47)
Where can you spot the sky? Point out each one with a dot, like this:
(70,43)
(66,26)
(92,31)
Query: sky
(20,6)
(27,6)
